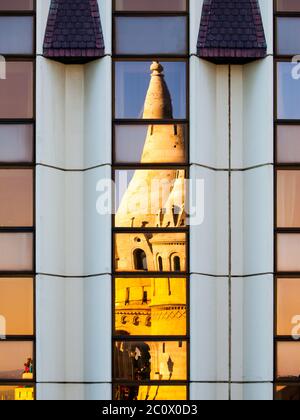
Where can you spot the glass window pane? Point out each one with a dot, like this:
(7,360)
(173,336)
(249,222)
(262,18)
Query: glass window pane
(16,252)
(16,197)
(151,35)
(288,6)
(14,355)
(288,36)
(17,393)
(16,99)
(146,90)
(288,199)
(288,361)
(150,198)
(146,361)
(288,252)
(160,302)
(16,34)
(287,393)
(288,305)
(151,5)
(16,5)
(150,143)
(140,252)
(288,144)
(16,143)
(288,92)
(149,393)
(16,306)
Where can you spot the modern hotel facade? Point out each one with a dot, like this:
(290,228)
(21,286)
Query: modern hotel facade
(183,281)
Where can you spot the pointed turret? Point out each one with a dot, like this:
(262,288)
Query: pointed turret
(149,190)
(158,103)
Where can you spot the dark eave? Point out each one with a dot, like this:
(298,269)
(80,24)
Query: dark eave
(231,31)
(73,33)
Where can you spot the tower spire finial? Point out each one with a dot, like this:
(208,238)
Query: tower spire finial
(158,103)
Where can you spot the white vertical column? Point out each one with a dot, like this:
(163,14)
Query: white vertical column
(73,299)
(252,224)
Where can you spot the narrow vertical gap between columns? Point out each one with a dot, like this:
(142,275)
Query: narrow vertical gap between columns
(229,237)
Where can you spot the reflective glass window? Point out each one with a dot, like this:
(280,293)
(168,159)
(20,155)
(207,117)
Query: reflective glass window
(16,99)
(18,5)
(16,306)
(16,143)
(151,35)
(288,144)
(16,34)
(17,393)
(288,361)
(288,306)
(150,5)
(145,90)
(288,6)
(158,143)
(16,251)
(288,199)
(153,244)
(150,393)
(16,197)
(146,361)
(162,312)
(150,198)
(14,358)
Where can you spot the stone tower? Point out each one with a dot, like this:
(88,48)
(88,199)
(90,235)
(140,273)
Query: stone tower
(155,306)
(156,198)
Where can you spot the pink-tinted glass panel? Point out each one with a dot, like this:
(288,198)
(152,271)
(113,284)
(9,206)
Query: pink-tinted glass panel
(288,199)
(151,5)
(16,5)
(16,143)
(288,6)
(288,144)
(16,99)
(288,252)
(288,306)
(288,361)
(16,197)
(13,357)
(16,252)
(16,306)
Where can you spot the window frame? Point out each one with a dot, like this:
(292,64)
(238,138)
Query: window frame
(24,165)
(280,166)
(142,122)
(149,275)
(150,58)
(140,166)
(145,15)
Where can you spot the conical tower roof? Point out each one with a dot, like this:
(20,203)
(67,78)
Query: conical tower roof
(158,103)
(149,190)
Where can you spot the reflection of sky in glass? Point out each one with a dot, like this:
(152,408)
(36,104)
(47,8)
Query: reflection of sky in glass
(288,36)
(288,92)
(132,82)
(151,35)
(122,179)
(130,142)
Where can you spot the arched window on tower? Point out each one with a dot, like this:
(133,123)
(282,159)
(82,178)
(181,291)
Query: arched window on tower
(177,264)
(140,260)
(160,264)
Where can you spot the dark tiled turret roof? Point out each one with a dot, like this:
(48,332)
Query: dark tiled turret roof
(73,32)
(231,31)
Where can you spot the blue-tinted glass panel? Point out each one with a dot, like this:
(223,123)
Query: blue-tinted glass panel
(151,35)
